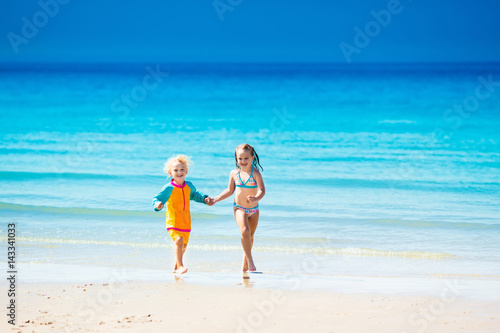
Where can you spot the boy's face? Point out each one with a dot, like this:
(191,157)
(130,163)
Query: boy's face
(244,158)
(178,172)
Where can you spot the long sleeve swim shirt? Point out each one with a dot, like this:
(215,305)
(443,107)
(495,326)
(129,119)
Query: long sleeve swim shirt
(176,198)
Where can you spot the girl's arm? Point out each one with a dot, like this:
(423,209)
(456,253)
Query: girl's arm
(228,191)
(262,188)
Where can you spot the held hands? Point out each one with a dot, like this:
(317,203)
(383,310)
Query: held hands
(210,201)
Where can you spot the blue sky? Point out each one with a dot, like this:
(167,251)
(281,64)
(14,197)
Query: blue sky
(249,30)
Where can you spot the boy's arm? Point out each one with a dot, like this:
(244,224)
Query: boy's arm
(163,196)
(196,195)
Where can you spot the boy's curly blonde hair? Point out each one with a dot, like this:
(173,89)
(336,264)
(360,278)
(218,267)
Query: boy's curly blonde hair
(186,160)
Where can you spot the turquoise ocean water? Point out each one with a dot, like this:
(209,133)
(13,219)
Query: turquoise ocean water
(370,170)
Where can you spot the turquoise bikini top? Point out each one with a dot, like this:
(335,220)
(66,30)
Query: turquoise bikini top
(250,183)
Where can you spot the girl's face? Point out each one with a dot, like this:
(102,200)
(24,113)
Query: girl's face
(178,172)
(244,158)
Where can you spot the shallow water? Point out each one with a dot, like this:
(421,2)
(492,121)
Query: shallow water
(365,169)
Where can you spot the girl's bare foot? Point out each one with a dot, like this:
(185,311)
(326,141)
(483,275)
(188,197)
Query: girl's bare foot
(245,264)
(181,270)
(251,266)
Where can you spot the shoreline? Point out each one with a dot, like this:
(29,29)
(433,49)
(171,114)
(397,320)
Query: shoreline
(478,287)
(136,306)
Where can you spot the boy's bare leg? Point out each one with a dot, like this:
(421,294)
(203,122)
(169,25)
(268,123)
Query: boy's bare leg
(179,249)
(183,251)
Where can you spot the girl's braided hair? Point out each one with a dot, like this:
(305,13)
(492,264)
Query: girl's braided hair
(255,162)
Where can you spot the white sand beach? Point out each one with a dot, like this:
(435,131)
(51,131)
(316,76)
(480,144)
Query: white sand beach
(184,307)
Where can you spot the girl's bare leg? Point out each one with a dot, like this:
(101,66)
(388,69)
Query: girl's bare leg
(179,249)
(246,238)
(253,221)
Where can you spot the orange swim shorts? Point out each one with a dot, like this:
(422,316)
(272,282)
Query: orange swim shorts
(176,233)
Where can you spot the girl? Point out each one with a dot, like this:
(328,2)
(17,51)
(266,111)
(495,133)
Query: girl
(247,181)
(174,195)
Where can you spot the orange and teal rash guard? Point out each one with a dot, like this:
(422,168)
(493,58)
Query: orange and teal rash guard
(176,198)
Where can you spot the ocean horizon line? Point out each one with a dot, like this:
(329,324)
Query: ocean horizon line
(251,63)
